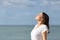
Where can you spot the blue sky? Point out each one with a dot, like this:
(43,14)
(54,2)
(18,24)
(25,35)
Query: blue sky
(23,12)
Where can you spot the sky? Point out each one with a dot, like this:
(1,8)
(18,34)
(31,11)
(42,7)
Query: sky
(23,12)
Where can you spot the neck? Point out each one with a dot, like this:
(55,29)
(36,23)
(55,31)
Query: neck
(39,22)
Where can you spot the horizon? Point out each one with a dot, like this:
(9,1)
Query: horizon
(23,25)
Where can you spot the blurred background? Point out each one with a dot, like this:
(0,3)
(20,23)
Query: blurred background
(17,18)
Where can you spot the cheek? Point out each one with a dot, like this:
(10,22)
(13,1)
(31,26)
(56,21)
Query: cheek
(42,20)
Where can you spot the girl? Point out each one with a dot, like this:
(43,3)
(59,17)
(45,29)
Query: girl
(41,29)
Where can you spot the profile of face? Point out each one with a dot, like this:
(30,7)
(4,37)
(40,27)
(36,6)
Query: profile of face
(39,17)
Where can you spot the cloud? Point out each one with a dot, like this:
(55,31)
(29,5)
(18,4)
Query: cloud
(55,2)
(17,3)
(6,3)
(54,5)
(28,3)
(24,3)
(44,2)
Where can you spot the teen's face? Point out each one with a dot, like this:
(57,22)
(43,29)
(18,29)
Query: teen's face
(39,17)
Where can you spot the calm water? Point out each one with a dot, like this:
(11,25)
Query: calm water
(22,32)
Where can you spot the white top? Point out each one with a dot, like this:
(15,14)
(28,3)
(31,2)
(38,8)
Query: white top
(36,33)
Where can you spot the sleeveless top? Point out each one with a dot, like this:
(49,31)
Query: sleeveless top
(36,33)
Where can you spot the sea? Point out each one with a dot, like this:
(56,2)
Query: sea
(23,32)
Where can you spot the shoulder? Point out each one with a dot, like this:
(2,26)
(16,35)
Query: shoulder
(44,26)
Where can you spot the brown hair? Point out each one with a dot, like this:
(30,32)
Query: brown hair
(46,20)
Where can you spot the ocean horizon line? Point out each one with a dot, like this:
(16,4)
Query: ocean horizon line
(21,25)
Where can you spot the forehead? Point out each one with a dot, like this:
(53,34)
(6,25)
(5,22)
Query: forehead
(40,14)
